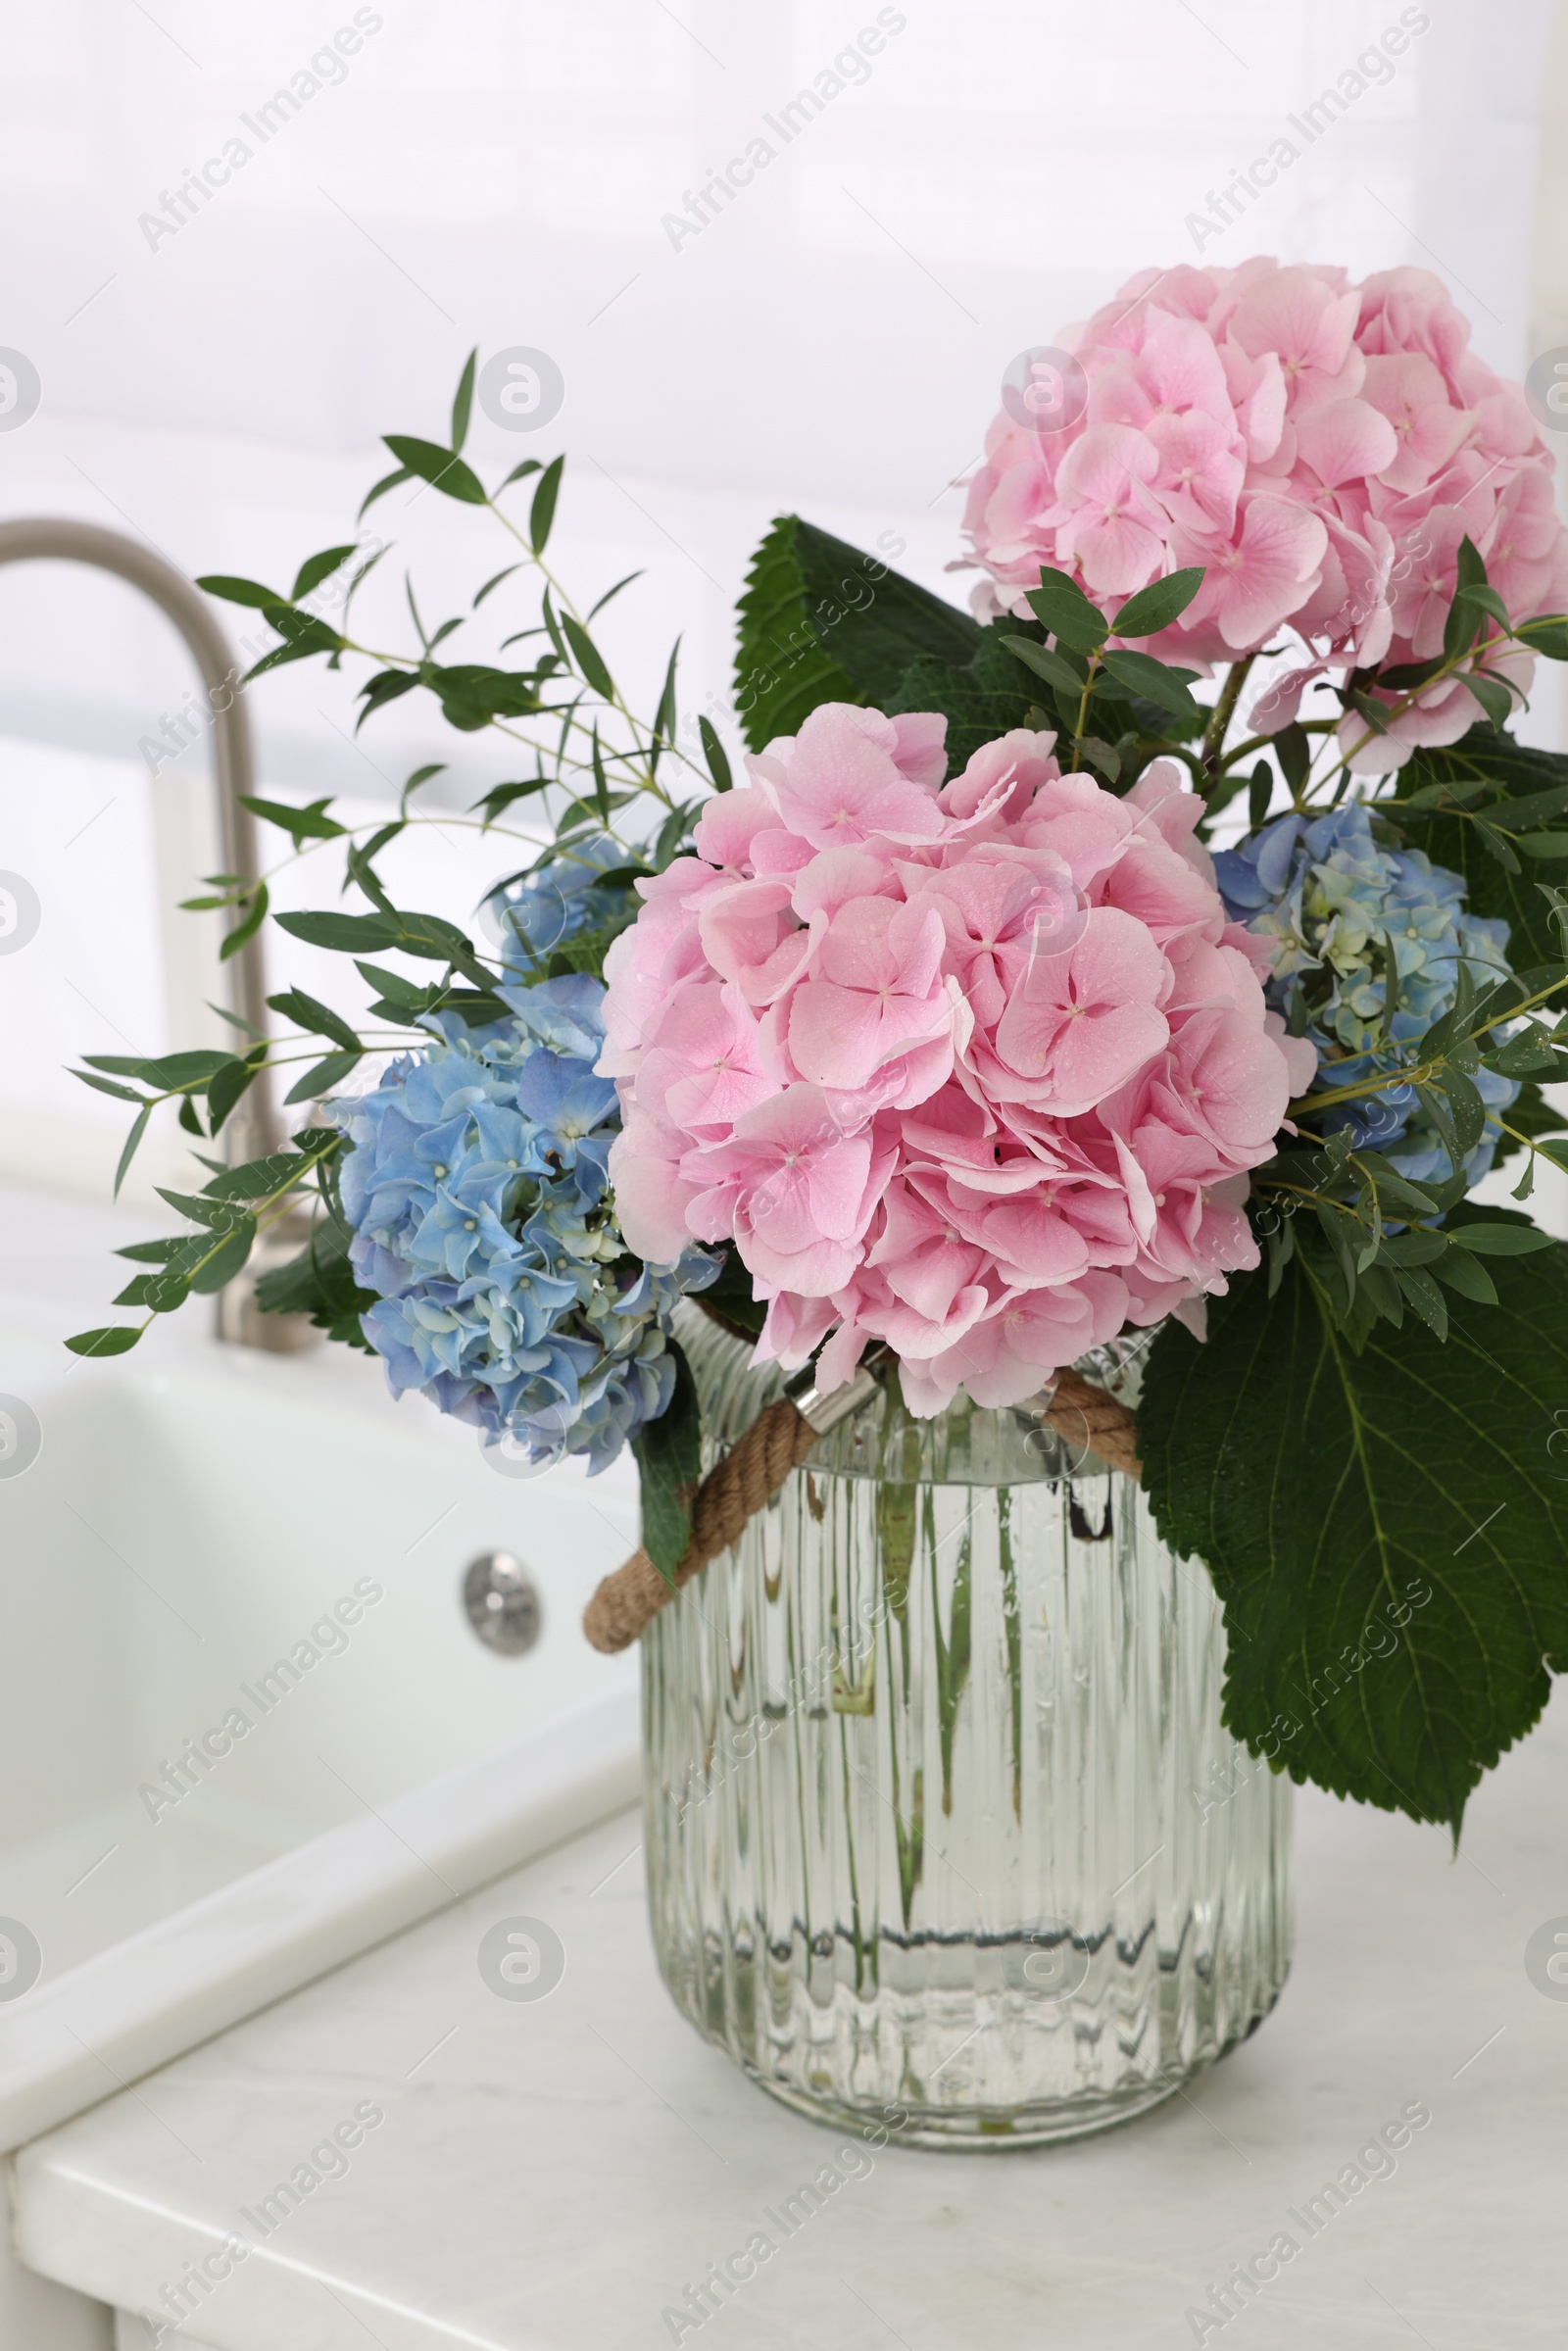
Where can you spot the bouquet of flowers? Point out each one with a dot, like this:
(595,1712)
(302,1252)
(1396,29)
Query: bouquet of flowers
(949,1038)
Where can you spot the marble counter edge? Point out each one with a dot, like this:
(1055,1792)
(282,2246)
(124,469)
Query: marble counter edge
(106,2022)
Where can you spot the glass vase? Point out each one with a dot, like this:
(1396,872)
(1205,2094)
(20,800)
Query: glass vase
(943,1834)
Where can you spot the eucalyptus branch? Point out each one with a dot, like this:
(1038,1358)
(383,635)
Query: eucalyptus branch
(617,701)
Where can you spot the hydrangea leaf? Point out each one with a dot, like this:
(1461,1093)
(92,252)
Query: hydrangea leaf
(987,698)
(1388,1531)
(822,621)
(319,1283)
(1485,756)
(668,1454)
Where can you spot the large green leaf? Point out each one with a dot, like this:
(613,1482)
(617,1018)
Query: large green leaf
(319,1282)
(1457,842)
(821,622)
(1388,1531)
(983,699)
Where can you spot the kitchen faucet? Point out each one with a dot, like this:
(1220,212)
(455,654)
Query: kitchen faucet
(255,1126)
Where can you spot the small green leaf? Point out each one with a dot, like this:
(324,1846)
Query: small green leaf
(137,1130)
(230,1084)
(1426,1298)
(1495,698)
(1487,600)
(463,402)
(542,512)
(1395,1191)
(1060,606)
(474,695)
(117,1339)
(125,1093)
(360,869)
(714,753)
(494,582)
(1260,792)
(386,686)
(444,472)
(1465,1275)
(1046,663)
(1293,748)
(1142,674)
(248,927)
(305,824)
(599,602)
(317,568)
(1470,565)
(665,716)
(317,1019)
(601,783)
(531,465)
(500,797)
(1417,1248)
(1465,1103)
(1104,756)
(1463,623)
(206,1207)
(341,932)
(1544,845)
(1487,1239)
(1496,846)
(1155,607)
(267,1178)
(590,663)
(167,1072)
(223,1261)
(1547,634)
(1437,1109)
(293,652)
(394,986)
(302,629)
(320,1079)
(421,777)
(239,591)
(1523,1056)
(388,481)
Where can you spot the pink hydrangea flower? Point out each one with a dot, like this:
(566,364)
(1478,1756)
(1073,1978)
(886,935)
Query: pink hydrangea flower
(977,1069)
(1320,448)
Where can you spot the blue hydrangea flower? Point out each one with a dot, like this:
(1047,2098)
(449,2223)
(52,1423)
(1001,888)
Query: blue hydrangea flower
(477,1193)
(1325,893)
(563,896)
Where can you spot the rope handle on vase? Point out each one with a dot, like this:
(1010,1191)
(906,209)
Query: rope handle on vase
(781,1438)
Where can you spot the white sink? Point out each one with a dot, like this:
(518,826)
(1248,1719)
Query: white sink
(249,1568)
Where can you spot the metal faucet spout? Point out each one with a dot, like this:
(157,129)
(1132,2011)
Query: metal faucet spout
(255,1126)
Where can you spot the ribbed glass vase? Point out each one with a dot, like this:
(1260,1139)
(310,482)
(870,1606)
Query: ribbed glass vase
(943,1832)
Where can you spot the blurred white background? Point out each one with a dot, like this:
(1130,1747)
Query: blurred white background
(831,341)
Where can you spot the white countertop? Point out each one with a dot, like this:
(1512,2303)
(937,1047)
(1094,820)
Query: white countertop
(555,2173)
